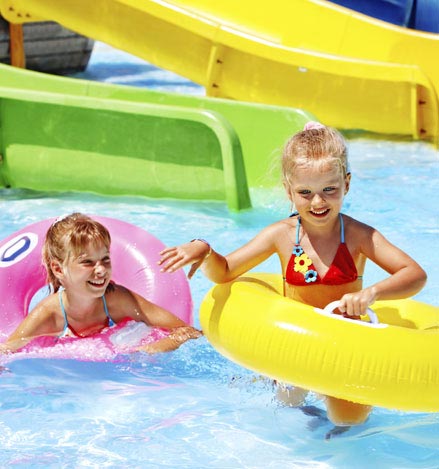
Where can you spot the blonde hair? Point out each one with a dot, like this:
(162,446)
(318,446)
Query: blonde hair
(68,237)
(316,144)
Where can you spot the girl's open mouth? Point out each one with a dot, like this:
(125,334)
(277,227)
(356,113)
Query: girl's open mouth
(97,283)
(319,213)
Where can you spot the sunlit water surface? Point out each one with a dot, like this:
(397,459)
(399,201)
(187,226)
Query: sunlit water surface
(193,408)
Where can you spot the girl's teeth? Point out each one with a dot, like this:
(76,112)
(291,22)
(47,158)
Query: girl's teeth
(97,283)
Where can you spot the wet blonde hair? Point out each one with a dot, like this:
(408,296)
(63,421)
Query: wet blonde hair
(315,144)
(67,237)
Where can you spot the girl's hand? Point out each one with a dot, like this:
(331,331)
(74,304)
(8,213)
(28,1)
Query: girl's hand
(356,304)
(184,333)
(178,336)
(159,346)
(177,257)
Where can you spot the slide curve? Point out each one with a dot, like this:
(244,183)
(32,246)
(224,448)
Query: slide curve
(350,70)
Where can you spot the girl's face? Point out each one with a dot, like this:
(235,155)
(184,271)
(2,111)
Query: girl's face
(317,191)
(88,273)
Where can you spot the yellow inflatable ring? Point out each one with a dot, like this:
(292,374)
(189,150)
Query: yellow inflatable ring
(393,364)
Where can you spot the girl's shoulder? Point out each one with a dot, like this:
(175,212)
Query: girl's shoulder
(357,230)
(47,305)
(117,295)
(122,302)
(277,230)
(285,224)
(278,236)
(115,289)
(354,224)
(47,315)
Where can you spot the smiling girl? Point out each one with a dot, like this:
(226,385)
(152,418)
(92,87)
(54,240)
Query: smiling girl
(322,251)
(76,255)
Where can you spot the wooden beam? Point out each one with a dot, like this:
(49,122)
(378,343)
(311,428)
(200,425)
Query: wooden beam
(16,41)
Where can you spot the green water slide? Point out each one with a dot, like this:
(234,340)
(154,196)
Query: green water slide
(66,134)
(53,142)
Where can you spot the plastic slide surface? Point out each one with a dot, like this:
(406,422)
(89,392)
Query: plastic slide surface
(351,71)
(55,142)
(261,130)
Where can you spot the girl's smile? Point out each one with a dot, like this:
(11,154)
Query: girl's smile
(97,283)
(319,213)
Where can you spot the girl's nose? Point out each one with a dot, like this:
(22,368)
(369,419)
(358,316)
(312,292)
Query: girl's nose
(100,268)
(317,199)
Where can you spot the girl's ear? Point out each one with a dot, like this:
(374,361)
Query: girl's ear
(57,269)
(347,182)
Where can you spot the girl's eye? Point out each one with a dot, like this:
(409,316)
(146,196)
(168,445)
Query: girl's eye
(329,189)
(304,192)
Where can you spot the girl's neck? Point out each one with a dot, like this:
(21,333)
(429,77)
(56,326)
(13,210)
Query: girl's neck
(80,308)
(327,230)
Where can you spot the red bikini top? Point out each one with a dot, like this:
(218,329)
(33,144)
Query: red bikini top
(301,271)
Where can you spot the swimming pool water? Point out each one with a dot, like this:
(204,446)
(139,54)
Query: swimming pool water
(193,408)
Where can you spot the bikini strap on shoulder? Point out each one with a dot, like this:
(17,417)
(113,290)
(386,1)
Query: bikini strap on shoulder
(63,310)
(341,228)
(111,323)
(298,231)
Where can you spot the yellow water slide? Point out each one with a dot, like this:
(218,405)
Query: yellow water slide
(351,71)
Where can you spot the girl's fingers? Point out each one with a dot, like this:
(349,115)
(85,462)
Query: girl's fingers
(174,264)
(175,258)
(166,254)
(170,258)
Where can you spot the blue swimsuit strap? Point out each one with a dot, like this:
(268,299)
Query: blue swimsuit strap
(298,231)
(66,323)
(111,323)
(341,229)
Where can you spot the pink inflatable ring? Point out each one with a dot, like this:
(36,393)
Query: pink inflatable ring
(134,255)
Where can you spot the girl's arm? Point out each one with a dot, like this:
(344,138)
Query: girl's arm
(177,337)
(37,323)
(406,276)
(129,304)
(216,267)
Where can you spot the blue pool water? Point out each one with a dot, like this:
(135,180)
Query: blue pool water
(193,408)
